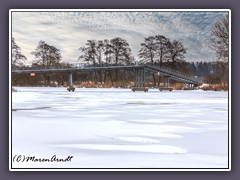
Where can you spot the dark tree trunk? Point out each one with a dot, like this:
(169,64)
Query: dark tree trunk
(154,80)
(159,81)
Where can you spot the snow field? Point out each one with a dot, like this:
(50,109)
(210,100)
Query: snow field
(116,128)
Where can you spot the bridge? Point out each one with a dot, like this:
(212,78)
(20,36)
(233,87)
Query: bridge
(141,71)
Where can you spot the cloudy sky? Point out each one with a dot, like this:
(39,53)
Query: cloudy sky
(70,30)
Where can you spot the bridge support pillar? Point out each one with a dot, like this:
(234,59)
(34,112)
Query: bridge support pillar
(70,83)
(139,81)
(139,77)
(166,81)
(165,84)
(70,79)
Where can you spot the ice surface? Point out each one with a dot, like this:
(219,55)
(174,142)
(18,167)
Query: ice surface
(116,128)
(135,148)
(138,139)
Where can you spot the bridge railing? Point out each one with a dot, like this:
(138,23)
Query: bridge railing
(38,67)
(69,66)
(176,73)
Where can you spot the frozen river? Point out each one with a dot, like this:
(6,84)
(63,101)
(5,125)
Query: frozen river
(116,128)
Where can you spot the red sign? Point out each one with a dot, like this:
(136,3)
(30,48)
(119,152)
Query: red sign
(32,74)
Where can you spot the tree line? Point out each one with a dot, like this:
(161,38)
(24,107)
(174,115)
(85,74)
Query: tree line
(154,50)
(100,52)
(209,72)
(159,49)
(115,51)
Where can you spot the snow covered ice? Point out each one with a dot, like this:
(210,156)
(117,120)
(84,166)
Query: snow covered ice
(116,128)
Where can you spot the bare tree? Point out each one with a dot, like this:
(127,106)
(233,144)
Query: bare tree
(99,55)
(148,51)
(121,50)
(18,58)
(108,52)
(220,44)
(46,55)
(222,71)
(220,38)
(176,53)
(85,55)
(88,52)
(161,48)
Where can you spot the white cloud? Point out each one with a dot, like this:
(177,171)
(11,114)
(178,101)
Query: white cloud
(70,30)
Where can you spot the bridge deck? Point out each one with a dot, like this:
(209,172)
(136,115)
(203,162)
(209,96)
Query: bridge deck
(149,68)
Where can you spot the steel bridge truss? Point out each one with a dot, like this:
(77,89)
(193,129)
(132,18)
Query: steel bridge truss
(141,72)
(139,77)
